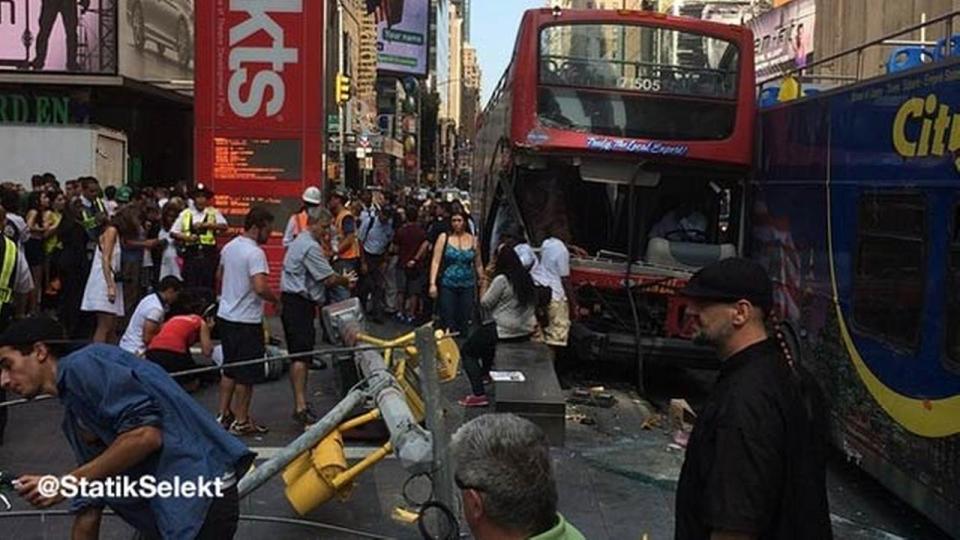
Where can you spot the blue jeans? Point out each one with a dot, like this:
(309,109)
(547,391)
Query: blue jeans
(456,307)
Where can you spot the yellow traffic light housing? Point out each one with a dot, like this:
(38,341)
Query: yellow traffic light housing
(342,88)
(321,474)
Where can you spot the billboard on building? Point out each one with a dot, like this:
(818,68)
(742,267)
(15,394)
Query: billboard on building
(156,39)
(402,35)
(66,36)
(258,103)
(783,37)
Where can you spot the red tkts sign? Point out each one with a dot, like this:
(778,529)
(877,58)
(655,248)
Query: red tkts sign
(259,120)
(259,105)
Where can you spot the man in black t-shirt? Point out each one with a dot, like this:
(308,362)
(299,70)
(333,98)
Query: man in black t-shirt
(755,467)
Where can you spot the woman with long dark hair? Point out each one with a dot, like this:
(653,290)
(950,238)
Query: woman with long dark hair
(103,294)
(38,203)
(454,274)
(511,302)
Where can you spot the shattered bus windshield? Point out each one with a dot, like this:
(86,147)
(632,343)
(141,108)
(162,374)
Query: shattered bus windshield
(596,217)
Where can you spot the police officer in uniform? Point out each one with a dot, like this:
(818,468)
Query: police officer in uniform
(93,213)
(755,466)
(15,281)
(196,234)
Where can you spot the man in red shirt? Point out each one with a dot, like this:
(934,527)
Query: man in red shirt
(412,250)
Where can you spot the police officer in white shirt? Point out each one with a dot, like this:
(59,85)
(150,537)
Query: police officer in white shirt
(240,319)
(196,233)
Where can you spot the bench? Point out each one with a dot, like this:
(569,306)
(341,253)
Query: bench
(538,398)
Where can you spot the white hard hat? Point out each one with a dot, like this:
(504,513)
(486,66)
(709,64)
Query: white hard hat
(312,195)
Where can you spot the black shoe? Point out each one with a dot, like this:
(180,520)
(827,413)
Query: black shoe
(226,420)
(306,416)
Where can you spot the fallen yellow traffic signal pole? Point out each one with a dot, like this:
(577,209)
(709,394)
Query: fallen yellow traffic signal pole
(314,467)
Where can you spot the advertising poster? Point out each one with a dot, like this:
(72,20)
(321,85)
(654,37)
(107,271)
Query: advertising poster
(156,39)
(402,39)
(783,37)
(57,36)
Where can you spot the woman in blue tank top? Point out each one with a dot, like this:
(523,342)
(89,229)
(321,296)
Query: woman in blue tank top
(454,275)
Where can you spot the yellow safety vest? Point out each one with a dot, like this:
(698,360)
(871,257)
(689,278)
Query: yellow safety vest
(207,238)
(90,218)
(354,251)
(7,270)
(53,243)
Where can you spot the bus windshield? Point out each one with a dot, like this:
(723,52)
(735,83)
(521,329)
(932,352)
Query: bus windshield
(638,58)
(637,81)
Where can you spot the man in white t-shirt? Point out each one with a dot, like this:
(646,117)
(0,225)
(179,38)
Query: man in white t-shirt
(148,317)
(554,271)
(244,268)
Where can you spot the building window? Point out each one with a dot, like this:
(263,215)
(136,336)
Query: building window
(889,267)
(952,358)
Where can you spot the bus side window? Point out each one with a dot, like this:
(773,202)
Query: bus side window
(952,356)
(890,267)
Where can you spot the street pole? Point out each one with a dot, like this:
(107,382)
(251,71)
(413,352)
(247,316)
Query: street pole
(341,60)
(435,416)
(420,92)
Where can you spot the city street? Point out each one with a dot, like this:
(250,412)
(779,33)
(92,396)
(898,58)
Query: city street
(735,222)
(616,480)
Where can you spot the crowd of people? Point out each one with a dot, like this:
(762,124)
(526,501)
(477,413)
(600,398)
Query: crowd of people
(155,272)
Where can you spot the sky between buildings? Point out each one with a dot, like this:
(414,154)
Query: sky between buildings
(493,33)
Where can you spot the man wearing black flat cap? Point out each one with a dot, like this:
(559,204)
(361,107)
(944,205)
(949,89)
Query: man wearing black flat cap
(755,466)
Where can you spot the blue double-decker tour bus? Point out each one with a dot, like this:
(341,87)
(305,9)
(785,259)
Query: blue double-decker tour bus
(855,211)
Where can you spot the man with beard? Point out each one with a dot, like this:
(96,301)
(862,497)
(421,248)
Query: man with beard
(244,289)
(755,467)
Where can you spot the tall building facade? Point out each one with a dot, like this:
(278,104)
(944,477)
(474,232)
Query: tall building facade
(454,103)
(471,106)
(464,7)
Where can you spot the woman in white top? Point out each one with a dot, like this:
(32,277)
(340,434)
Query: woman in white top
(169,266)
(102,295)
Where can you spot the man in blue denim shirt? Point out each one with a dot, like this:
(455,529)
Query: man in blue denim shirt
(126,417)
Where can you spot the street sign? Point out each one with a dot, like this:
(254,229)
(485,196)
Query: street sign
(361,152)
(368,163)
(333,123)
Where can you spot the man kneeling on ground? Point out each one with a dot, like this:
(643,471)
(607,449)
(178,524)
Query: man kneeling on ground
(125,417)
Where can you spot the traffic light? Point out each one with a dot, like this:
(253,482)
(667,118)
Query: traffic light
(311,479)
(342,90)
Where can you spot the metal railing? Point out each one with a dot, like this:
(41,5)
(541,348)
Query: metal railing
(808,73)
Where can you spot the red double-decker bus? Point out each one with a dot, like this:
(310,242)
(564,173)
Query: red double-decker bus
(630,133)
